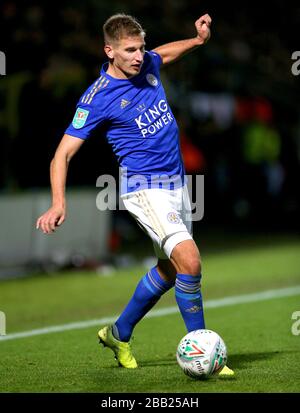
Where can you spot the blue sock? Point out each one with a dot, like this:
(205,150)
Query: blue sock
(189,300)
(148,291)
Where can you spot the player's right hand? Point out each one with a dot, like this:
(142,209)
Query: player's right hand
(51,219)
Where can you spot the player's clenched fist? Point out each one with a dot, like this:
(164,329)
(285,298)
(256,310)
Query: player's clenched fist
(203,27)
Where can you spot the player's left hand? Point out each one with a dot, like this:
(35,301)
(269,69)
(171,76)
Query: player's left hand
(203,27)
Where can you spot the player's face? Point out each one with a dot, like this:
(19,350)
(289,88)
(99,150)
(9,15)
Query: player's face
(127,56)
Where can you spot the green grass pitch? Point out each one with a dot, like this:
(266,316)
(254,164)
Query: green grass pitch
(262,349)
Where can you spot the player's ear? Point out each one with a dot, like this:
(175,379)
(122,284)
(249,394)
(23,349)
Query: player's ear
(109,51)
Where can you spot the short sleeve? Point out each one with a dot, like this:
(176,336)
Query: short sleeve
(156,59)
(86,119)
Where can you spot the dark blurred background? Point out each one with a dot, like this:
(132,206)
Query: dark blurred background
(235,99)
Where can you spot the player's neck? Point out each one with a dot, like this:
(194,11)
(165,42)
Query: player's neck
(115,72)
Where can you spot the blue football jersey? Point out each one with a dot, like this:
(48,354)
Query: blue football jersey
(140,126)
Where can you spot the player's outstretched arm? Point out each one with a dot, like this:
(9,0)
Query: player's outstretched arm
(56,214)
(171,52)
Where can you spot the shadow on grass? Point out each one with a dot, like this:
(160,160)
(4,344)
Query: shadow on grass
(157,363)
(242,360)
(235,361)
(238,360)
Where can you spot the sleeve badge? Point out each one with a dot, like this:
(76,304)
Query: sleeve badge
(80,118)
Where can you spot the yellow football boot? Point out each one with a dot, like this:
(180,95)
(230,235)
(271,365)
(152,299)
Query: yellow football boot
(121,349)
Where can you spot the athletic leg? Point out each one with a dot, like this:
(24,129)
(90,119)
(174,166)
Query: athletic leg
(150,288)
(185,258)
(148,291)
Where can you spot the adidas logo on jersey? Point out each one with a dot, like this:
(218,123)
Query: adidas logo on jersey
(124,103)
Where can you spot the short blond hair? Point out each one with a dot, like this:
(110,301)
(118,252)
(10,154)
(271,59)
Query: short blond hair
(120,26)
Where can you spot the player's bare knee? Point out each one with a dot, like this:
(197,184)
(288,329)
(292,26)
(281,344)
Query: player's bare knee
(186,258)
(192,266)
(189,264)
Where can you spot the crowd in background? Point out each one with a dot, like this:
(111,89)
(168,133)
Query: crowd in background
(235,99)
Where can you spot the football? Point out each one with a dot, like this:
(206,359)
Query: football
(201,353)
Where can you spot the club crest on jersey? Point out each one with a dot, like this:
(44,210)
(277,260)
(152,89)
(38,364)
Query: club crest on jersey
(151,79)
(80,118)
(173,218)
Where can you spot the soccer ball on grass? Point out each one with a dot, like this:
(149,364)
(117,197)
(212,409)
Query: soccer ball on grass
(201,353)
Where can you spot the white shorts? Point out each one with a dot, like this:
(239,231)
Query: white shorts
(165,215)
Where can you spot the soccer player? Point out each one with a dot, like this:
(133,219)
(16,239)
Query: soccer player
(129,99)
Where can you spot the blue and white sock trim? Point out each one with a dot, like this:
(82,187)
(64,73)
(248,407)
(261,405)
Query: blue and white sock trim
(188,286)
(153,282)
